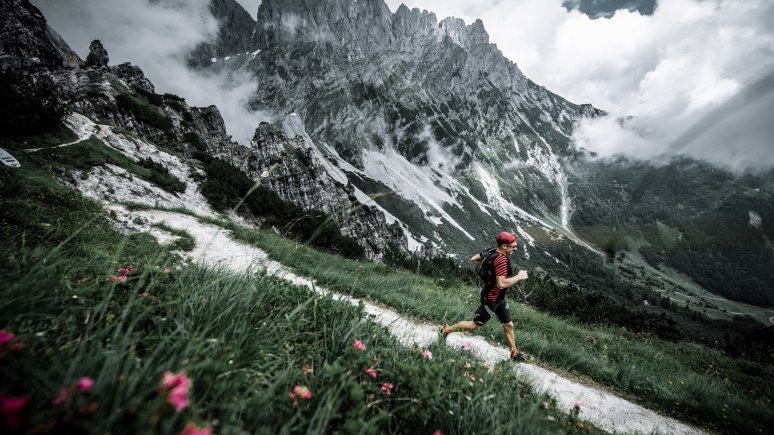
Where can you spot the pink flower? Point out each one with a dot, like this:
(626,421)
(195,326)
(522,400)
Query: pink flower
(167,270)
(427,354)
(578,404)
(466,365)
(545,405)
(12,408)
(375,359)
(122,278)
(84,384)
(192,429)
(358,345)
(387,388)
(438,432)
(6,336)
(299,392)
(371,372)
(176,387)
(62,398)
(468,345)
(123,271)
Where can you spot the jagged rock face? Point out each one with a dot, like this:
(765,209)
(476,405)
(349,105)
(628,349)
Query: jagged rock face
(98,56)
(27,42)
(293,168)
(368,83)
(236,34)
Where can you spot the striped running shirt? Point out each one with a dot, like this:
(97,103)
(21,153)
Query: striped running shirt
(502,267)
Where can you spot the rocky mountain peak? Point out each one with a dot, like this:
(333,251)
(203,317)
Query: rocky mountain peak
(463,35)
(366,25)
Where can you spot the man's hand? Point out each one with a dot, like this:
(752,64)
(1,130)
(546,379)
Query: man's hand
(522,275)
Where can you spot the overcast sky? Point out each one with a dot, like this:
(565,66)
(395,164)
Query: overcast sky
(694,75)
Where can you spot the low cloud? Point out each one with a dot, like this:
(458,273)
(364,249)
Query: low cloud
(156,36)
(667,74)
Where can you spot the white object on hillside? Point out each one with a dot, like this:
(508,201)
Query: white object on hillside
(8,160)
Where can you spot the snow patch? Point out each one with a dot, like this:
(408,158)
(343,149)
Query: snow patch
(496,199)
(755,219)
(526,235)
(419,185)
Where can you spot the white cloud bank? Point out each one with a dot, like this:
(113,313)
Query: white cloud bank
(156,36)
(695,76)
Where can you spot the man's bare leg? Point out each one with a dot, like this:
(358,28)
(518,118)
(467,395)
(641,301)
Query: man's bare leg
(508,329)
(466,325)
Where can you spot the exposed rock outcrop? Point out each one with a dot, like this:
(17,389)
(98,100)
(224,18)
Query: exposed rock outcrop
(98,56)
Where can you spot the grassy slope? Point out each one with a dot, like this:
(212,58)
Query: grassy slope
(243,341)
(684,380)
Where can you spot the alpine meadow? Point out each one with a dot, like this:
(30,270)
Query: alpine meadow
(261,220)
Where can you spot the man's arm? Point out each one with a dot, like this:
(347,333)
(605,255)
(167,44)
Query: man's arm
(504,282)
(476,259)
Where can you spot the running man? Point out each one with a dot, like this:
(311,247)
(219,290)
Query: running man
(499,276)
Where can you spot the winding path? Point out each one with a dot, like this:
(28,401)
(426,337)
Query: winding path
(215,248)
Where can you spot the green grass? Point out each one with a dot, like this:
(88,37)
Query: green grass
(243,341)
(684,380)
(56,136)
(184,241)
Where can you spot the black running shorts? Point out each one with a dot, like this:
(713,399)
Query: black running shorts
(487,308)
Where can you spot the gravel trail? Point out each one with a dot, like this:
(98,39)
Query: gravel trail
(214,247)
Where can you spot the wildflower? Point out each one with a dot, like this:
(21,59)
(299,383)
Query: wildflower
(468,345)
(545,405)
(84,384)
(167,270)
(375,359)
(123,271)
(466,365)
(176,387)
(578,405)
(387,388)
(6,336)
(299,392)
(308,370)
(359,345)
(122,278)
(62,397)
(371,372)
(192,429)
(427,354)
(11,408)
(438,432)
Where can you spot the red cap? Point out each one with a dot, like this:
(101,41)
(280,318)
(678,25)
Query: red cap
(505,238)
